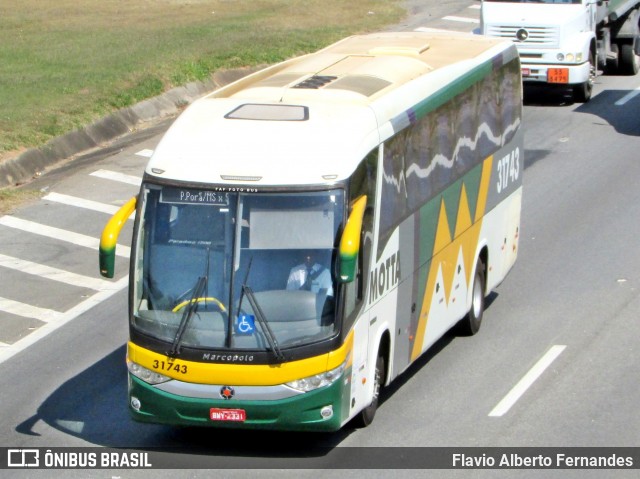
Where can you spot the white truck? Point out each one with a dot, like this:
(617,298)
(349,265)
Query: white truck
(568,41)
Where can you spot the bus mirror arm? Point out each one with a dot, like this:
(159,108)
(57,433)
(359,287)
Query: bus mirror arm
(110,235)
(350,242)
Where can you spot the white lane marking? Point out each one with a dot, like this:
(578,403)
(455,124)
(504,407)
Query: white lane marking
(54,274)
(452,18)
(474,7)
(115,176)
(13,349)
(28,311)
(59,234)
(146,153)
(527,380)
(82,203)
(628,96)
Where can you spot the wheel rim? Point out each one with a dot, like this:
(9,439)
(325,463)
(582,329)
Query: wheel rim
(477,298)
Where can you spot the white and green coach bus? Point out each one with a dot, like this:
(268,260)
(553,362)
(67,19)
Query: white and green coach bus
(306,233)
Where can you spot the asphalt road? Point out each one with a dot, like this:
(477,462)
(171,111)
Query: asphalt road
(572,300)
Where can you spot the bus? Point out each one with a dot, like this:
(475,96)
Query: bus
(305,233)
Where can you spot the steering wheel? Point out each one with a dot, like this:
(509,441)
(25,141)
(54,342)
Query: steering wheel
(217,302)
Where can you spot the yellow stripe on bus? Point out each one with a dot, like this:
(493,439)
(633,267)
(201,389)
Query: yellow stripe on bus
(239,374)
(446,250)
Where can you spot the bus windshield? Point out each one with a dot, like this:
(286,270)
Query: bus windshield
(235,270)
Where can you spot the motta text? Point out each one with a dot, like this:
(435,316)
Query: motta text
(385,276)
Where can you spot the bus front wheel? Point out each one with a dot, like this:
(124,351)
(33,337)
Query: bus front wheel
(365,417)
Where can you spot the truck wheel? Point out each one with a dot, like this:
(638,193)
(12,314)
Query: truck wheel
(629,62)
(582,91)
(365,417)
(470,324)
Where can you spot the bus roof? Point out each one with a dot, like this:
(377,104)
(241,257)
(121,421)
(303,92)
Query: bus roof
(311,119)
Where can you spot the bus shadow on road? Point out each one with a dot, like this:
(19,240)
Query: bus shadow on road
(92,406)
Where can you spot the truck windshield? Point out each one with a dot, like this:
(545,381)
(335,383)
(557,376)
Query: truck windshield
(229,270)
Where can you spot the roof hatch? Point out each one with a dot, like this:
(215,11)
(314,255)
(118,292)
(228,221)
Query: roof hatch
(270,112)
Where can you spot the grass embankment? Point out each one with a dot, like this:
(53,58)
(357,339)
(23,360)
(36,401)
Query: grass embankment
(65,63)
(10,198)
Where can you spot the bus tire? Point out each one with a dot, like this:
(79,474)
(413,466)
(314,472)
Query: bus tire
(365,417)
(470,324)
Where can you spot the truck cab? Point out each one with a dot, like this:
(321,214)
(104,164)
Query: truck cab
(566,42)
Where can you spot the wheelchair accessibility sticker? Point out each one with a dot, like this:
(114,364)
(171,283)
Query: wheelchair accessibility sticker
(246,324)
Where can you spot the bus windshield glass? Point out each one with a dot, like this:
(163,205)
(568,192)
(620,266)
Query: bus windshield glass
(228,270)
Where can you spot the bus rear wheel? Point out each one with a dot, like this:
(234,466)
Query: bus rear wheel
(470,324)
(365,417)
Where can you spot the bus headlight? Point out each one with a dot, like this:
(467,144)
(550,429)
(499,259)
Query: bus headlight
(145,374)
(319,380)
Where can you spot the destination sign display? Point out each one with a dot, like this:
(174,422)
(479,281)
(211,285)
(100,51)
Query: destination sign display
(194,197)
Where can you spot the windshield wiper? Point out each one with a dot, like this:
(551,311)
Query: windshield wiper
(264,324)
(244,284)
(188,313)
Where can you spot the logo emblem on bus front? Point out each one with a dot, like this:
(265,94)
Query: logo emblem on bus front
(227,392)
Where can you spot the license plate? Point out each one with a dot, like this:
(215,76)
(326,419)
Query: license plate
(234,415)
(558,75)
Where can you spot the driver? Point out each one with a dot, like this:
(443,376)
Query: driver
(310,276)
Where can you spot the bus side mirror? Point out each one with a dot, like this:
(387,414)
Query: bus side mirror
(110,235)
(350,242)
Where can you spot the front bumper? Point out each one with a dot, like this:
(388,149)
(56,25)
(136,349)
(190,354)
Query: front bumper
(301,412)
(539,73)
